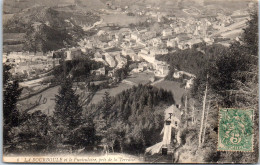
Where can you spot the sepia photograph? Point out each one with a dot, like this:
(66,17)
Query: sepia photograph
(130,81)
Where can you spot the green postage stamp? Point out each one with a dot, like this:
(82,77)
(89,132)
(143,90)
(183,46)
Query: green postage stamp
(235,130)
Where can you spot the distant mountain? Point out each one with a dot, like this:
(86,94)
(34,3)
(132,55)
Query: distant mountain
(90,4)
(227,4)
(14,6)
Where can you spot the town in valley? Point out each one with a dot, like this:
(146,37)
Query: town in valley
(140,81)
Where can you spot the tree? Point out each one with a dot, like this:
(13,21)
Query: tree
(106,105)
(85,136)
(233,82)
(67,114)
(67,108)
(133,116)
(250,36)
(235,72)
(11,93)
(30,137)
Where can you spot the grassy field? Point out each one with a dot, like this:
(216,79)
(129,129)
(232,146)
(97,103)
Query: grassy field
(135,79)
(13,48)
(122,19)
(140,78)
(174,87)
(47,95)
(112,91)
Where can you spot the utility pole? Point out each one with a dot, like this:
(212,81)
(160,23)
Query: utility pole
(185,104)
(185,109)
(203,113)
(205,125)
(193,110)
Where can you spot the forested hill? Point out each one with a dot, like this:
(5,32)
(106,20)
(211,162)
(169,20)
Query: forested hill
(192,60)
(49,28)
(136,114)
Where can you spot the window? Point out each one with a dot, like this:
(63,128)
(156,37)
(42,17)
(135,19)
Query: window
(176,123)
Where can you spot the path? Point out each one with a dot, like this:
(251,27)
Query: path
(158,81)
(95,24)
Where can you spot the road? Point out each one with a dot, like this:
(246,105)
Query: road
(94,25)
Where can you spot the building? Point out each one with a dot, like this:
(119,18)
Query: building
(183,45)
(110,60)
(156,42)
(156,51)
(130,52)
(100,71)
(161,68)
(209,41)
(167,32)
(143,66)
(142,43)
(189,83)
(111,73)
(135,35)
(145,51)
(147,57)
(101,32)
(126,52)
(121,61)
(176,74)
(193,42)
(148,35)
(72,54)
(172,121)
(97,55)
(171,43)
(112,43)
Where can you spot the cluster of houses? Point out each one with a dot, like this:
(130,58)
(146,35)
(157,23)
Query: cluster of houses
(145,44)
(30,63)
(115,46)
(188,77)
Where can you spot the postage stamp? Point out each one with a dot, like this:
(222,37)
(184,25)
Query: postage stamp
(235,130)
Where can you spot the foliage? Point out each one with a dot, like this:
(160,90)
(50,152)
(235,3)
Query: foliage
(46,38)
(135,117)
(130,14)
(49,29)
(121,73)
(191,60)
(29,137)
(11,93)
(71,130)
(233,82)
(67,110)
(250,36)
(106,104)
(78,68)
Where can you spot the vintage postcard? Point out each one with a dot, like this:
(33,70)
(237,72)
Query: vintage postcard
(130,81)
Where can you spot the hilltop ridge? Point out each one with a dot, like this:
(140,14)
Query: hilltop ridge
(52,26)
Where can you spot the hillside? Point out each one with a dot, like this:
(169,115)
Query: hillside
(134,115)
(53,17)
(14,6)
(52,26)
(191,60)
